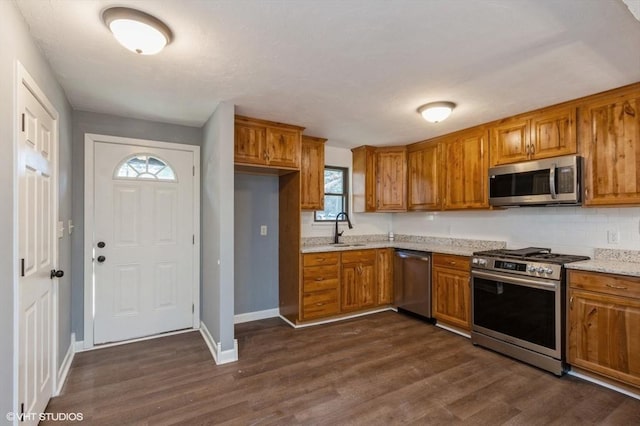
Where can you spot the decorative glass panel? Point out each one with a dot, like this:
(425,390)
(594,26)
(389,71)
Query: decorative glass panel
(145,167)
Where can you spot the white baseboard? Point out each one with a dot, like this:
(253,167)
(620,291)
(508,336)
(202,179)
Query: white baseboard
(603,384)
(63,371)
(255,316)
(327,321)
(219,356)
(78,346)
(453,330)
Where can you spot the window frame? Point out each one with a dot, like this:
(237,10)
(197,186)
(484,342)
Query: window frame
(344,194)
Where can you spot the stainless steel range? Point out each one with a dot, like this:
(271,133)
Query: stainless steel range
(518,304)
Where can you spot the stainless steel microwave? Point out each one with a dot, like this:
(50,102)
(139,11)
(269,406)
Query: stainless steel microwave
(552,181)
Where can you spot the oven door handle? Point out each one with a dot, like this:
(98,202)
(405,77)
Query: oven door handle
(527,282)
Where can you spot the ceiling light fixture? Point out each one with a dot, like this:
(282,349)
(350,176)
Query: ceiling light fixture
(137,31)
(436,112)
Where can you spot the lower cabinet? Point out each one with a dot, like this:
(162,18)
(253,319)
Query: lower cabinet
(335,283)
(451,295)
(358,280)
(604,325)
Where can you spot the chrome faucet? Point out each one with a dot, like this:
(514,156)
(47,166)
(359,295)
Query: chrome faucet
(339,234)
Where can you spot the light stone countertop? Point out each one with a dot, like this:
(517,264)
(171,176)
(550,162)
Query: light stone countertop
(454,246)
(610,261)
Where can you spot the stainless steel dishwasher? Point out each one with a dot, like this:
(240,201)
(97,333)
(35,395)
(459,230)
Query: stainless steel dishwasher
(412,282)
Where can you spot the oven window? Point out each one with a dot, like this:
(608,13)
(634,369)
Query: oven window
(525,313)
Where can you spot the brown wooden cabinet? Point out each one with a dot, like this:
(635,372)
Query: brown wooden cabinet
(604,324)
(384,276)
(266,143)
(610,144)
(320,285)
(451,301)
(358,283)
(465,160)
(379,179)
(423,173)
(312,176)
(391,179)
(364,179)
(545,133)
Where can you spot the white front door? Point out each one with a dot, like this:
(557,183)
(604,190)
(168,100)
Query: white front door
(143,241)
(37,147)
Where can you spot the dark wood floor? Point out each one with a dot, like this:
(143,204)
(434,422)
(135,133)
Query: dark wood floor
(380,369)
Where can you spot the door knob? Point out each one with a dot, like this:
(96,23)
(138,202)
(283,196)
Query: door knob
(101,259)
(101,244)
(57,274)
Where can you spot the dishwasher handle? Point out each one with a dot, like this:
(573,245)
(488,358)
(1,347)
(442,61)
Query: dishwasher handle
(406,255)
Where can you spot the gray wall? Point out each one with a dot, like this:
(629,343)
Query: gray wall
(17,44)
(217,225)
(256,256)
(105,124)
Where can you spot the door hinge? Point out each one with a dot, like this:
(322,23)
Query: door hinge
(194,170)
(22,409)
(193,239)
(193,308)
(23,122)
(22,267)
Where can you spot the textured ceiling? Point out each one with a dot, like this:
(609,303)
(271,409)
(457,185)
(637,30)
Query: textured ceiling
(353,71)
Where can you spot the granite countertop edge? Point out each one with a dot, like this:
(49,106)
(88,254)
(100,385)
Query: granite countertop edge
(426,247)
(617,267)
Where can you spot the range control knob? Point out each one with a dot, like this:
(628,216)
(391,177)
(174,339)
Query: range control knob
(541,270)
(482,262)
(531,268)
(475,261)
(548,270)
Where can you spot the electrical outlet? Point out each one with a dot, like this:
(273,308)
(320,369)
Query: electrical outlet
(613,236)
(263,230)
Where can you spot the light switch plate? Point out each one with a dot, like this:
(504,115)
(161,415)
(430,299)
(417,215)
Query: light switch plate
(70,226)
(263,230)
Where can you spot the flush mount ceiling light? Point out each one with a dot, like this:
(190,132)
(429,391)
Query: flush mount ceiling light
(436,112)
(137,31)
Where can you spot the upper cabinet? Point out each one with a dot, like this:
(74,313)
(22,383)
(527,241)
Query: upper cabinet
(423,176)
(312,178)
(364,179)
(546,133)
(379,179)
(266,143)
(465,162)
(391,178)
(610,144)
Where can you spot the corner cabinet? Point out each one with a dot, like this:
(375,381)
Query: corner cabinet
(336,284)
(546,133)
(610,141)
(465,159)
(312,176)
(423,176)
(451,294)
(267,144)
(379,179)
(604,325)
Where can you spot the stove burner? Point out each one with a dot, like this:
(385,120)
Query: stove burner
(532,254)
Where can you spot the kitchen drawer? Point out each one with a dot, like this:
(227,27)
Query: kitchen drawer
(315,259)
(617,285)
(320,277)
(451,261)
(317,304)
(357,256)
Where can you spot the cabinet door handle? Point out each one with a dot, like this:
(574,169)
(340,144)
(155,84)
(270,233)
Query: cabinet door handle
(571,303)
(319,279)
(533,149)
(618,287)
(526,149)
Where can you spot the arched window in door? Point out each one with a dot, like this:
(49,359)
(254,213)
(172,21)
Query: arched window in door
(145,166)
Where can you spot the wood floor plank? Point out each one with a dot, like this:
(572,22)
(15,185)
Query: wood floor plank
(381,369)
